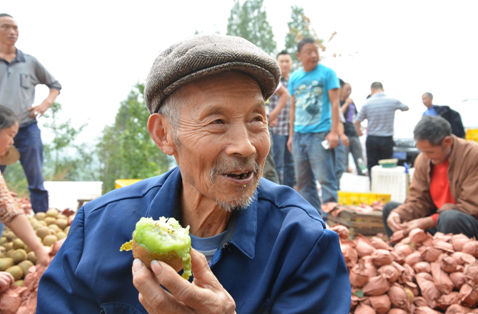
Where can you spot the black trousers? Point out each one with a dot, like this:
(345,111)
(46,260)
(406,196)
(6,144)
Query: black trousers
(378,147)
(450,221)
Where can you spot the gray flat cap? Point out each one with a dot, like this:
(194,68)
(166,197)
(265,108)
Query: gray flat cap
(203,55)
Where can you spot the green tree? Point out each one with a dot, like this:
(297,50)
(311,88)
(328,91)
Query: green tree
(298,29)
(64,159)
(125,149)
(249,21)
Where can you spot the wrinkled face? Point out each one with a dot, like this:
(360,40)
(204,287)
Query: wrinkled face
(8,31)
(224,139)
(309,56)
(285,64)
(427,101)
(6,138)
(436,153)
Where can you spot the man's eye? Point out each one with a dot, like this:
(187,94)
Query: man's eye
(218,121)
(258,119)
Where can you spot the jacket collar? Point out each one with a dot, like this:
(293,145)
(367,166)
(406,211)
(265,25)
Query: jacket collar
(242,227)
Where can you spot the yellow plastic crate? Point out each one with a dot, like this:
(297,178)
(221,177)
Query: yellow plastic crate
(354,198)
(125,182)
(472,135)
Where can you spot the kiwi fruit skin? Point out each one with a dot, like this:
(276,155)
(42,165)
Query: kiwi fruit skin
(171,258)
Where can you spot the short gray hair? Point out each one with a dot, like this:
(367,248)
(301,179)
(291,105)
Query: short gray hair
(171,110)
(432,129)
(376,85)
(430,95)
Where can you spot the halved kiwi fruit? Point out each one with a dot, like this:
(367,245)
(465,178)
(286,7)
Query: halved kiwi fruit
(163,240)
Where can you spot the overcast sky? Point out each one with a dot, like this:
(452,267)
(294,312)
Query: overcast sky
(99,49)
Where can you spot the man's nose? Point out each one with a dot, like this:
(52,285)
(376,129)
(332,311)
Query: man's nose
(240,142)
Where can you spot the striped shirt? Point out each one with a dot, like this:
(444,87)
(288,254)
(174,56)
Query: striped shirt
(379,110)
(282,127)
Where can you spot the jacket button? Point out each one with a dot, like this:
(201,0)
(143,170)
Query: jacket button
(225,244)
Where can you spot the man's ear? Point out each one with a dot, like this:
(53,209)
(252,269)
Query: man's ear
(447,141)
(160,131)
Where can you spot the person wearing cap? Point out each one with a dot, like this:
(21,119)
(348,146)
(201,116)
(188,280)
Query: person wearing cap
(257,247)
(19,74)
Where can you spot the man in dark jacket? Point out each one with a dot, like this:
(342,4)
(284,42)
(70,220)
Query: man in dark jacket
(450,115)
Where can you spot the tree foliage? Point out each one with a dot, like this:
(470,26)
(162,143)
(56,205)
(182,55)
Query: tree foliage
(249,21)
(298,29)
(64,159)
(125,149)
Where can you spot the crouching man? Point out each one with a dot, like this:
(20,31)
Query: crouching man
(258,247)
(444,189)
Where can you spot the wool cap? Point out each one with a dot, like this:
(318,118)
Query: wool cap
(207,54)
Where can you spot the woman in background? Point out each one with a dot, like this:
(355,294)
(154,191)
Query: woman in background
(10,214)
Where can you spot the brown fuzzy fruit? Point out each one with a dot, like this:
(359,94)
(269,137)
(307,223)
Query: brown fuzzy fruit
(8,246)
(25,265)
(43,232)
(40,216)
(50,220)
(62,223)
(18,283)
(60,235)
(6,263)
(52,213)
(49,240)
(19,256)
(171,258)
(15,271)
(32,257)
(18,244)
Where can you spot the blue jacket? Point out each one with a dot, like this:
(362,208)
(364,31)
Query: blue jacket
(277,256)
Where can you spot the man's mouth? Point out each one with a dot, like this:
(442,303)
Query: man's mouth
(239,175)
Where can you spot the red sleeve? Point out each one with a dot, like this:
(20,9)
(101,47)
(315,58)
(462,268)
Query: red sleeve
(435,218)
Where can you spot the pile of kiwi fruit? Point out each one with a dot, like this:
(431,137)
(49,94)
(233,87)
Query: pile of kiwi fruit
(16,257)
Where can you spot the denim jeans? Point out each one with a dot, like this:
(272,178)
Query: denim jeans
(29,144)
(283,160)
(340,165)
(2,226)
(313,162)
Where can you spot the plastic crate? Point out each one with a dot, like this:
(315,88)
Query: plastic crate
(124,182)
(472,135)
(393,181)
(353,198)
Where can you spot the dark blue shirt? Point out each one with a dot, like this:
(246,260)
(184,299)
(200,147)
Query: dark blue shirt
(276,255)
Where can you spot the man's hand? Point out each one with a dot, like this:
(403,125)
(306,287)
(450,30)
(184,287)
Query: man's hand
(204,295)
(289,144)
(345,140)
(6,280)
(422,223)
(333,139)
(38,111)
(393,221)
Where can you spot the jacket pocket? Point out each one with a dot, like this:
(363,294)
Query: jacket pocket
(24,81)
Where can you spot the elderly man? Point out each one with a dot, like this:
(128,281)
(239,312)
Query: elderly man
(268,250)
(443,193)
